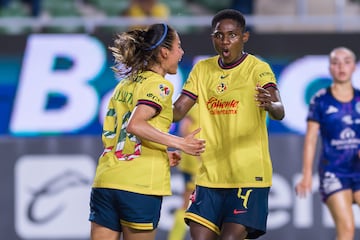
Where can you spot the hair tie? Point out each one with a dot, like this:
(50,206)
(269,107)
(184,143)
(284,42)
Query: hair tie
(161,39)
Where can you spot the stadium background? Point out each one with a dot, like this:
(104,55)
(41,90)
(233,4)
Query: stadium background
(54,87)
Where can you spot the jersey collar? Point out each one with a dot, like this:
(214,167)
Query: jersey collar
(223,66)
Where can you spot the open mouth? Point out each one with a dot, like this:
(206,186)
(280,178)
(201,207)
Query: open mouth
(226,52)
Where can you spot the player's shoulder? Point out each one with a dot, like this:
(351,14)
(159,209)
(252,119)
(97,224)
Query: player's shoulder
(149,77)
(150,80)
(320,94)
(205,65)
(257,60)
(207,61)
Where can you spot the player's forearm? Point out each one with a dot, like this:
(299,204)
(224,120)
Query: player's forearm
(178,113)
(307,168)
(147,132)
(181,106)
(309,154)
(276,111)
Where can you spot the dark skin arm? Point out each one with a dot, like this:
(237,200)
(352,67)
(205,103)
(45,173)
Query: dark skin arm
(181,106)
(269,100)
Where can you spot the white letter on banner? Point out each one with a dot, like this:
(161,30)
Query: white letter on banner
(38,79)
(279,203)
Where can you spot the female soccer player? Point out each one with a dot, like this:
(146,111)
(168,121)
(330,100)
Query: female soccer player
(335,112)
(234,91)
(133,173)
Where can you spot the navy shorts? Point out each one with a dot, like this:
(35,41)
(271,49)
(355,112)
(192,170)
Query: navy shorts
(211,207)
(330,184)
(113,208)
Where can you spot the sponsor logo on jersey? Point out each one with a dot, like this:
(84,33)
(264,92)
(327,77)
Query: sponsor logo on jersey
(331,109)
(164,90)
(239,211)
(220,106)
(347,119)
(224,76)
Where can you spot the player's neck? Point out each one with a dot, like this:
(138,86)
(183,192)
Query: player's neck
(343,92)
(157,69)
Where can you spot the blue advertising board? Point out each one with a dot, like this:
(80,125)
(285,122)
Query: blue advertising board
(59,84)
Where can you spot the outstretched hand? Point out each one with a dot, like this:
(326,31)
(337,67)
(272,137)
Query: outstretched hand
(192,145)
(263,97)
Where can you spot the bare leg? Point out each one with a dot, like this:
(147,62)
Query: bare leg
(134,234)
(200,232)
(340,206)
(357,197)
(99,232)
(233,231)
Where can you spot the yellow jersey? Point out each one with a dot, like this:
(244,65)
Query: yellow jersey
(128,162)
(232,124)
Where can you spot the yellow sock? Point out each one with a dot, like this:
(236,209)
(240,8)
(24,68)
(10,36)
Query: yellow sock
(179,228)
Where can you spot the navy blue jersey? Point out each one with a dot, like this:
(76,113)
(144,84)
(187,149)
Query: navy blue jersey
(340,132)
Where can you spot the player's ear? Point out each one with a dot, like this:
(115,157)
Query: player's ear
(164,52)
(245,36)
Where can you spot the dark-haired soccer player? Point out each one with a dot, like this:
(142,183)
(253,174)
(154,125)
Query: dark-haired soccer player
(234,91)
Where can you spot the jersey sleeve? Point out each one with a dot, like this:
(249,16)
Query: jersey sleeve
(314,113)
(154,93)
(190,87)
(265,76)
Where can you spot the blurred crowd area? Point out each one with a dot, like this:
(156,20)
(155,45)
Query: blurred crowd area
(23,16)
(89,8)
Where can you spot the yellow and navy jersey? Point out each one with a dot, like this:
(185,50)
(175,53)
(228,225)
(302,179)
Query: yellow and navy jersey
(128,162)
(231,122)
(189,164)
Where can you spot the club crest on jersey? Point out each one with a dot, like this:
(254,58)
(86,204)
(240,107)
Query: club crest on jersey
(164,90)
(221,87)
